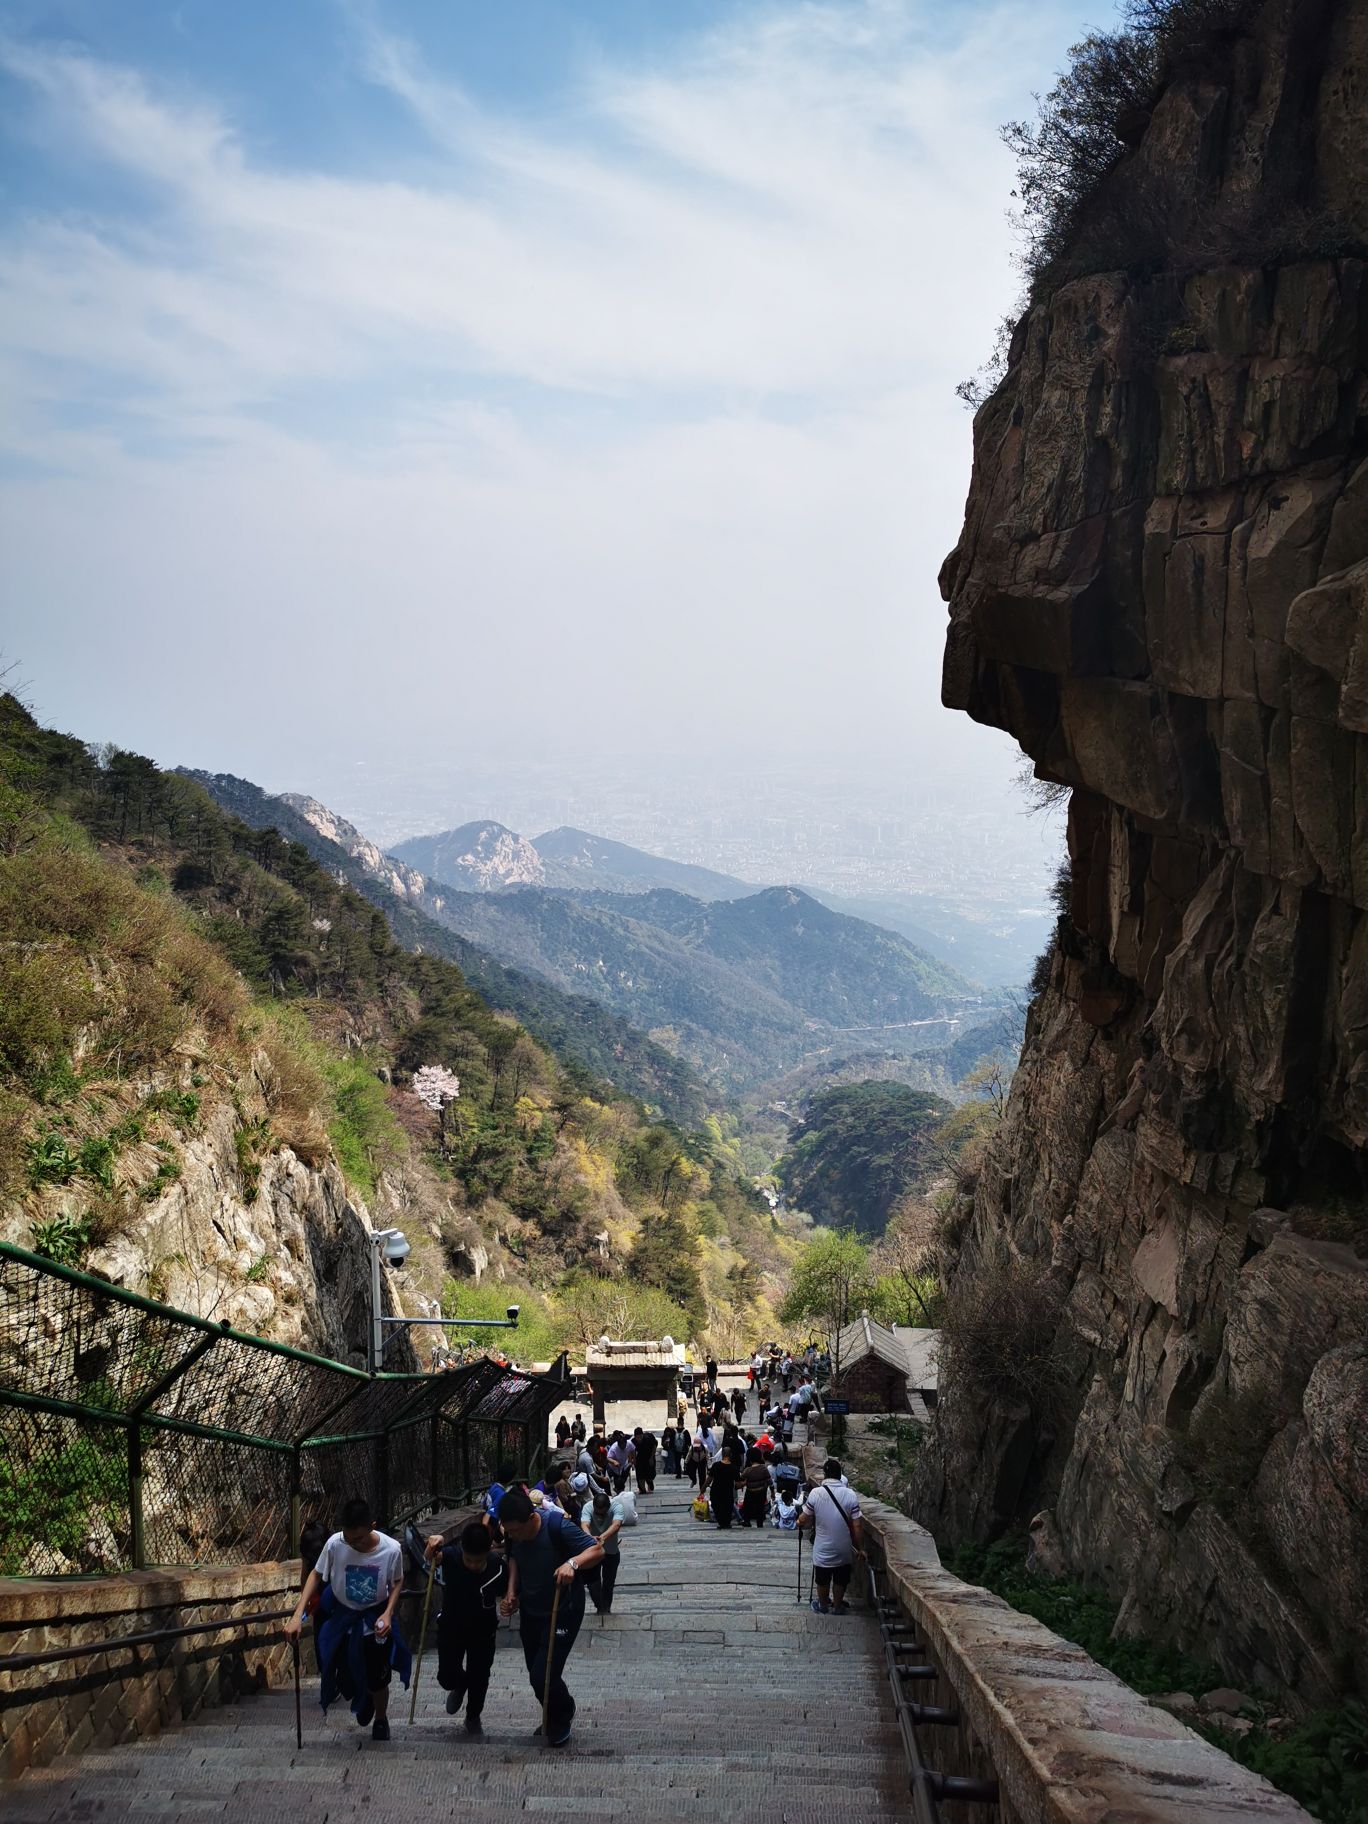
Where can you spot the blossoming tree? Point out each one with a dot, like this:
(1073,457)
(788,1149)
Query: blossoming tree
(437,1088)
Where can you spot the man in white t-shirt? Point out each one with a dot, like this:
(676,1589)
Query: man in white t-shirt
(832,1513)
(362,1572)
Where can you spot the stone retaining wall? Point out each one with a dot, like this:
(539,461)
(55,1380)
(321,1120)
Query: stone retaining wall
(1068,1742)
(125,1693)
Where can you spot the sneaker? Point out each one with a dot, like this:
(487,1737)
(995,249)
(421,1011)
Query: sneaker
(365,1713)
(473,1726)
(840,1608)
(562,1734)
(454,1700)
(380,1730)
(819,1608)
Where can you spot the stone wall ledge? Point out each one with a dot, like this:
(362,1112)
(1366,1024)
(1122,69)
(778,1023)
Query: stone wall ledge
(109,1693)
(27,1602)
(1070,1743)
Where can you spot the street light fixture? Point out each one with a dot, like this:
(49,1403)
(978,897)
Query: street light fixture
(394,1245)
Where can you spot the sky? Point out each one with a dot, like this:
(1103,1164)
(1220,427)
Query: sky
(411,382)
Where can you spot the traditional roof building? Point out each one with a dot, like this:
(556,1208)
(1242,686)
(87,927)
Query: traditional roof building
(884,1368)
(634,1371)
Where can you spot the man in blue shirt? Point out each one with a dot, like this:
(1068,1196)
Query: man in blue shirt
(546,1549)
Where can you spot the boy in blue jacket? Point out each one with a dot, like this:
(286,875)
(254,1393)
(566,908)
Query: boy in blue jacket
(357,1580)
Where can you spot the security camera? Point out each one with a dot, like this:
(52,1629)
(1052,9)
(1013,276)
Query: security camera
(396,1249)
(513,1313)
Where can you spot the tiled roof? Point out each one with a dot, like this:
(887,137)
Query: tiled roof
(634,1355)
(911,1351)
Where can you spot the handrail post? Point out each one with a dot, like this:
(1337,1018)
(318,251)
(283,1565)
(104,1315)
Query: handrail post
(382,1478)
(137,1550)
(296,1494)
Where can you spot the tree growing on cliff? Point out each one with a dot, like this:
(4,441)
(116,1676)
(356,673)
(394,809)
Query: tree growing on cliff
(437,1088)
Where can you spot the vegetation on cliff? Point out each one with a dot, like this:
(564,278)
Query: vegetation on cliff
(165,955)
(863,1148)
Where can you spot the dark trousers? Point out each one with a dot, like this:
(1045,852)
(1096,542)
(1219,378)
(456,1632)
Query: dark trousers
(600,1582)
(535,1631)
(465,1659)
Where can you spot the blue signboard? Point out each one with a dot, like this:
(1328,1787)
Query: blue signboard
(838,1407)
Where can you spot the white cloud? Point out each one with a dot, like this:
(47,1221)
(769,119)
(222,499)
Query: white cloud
(652,401)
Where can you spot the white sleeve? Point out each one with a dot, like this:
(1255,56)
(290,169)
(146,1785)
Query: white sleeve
(324,1562)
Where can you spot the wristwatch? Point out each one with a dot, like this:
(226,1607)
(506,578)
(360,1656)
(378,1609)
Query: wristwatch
(573,1563)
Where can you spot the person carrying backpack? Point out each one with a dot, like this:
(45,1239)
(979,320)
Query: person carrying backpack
(832,1511)
(547,1550)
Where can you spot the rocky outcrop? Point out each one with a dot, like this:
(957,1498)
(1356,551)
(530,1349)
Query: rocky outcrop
(227,1222)
(1161,591)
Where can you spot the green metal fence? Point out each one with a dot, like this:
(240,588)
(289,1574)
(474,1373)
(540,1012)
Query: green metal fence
(133,1434)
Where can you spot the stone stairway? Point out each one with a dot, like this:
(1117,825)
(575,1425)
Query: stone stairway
(711,1691)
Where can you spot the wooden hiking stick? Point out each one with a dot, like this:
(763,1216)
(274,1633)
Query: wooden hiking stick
(422,1639)
(299,1715)
(550,1663)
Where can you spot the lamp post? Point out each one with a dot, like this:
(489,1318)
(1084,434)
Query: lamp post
(394,1245)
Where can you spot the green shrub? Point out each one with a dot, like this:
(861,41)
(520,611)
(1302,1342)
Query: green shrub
(53,1498)
(183,1106)
(1323,1762)
(63,1238)
(168,1170)
(52,1159)
(54,1082)
(1084,1616)
(96,1160)
(251,1143)
(364,1133)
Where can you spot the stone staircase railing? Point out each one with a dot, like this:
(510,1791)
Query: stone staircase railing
(1004,1699)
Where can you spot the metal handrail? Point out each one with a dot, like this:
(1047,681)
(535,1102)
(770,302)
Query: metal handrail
(90,1649)
(115,1643)
(927,1786)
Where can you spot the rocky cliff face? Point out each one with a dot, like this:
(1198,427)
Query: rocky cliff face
(230,1224)
(1162,591)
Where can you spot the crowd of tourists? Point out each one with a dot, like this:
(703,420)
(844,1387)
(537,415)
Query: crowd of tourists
(539,1551)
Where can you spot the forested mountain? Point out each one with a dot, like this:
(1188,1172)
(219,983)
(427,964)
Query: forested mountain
(201,1027)
(741,988)
(858,1149)
(574,1026)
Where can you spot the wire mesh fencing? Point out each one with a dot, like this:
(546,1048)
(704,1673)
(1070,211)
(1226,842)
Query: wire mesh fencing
(132,1434)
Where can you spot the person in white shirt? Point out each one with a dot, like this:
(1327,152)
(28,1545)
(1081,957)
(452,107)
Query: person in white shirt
(355,1586)
(832,1513)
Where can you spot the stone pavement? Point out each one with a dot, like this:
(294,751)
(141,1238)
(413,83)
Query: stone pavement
(711,1691)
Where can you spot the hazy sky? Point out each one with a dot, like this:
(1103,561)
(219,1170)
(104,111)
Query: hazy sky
(517,379)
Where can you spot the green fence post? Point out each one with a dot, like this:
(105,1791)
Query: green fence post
(382,1479)
(296,1490)
(138,1545)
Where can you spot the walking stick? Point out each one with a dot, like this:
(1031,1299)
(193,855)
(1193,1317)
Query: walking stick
(799,1596)
(550,1664)
(422,1638)
(299,1715)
